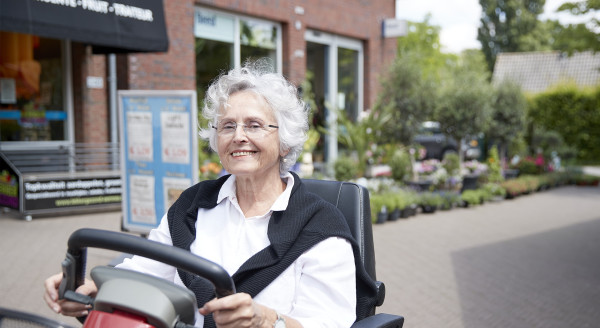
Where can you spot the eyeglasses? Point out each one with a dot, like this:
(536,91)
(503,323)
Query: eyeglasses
(255,129)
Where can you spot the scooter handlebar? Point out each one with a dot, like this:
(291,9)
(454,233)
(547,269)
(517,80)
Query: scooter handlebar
(74,264)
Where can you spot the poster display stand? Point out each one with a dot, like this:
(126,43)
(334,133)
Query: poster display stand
(159,153)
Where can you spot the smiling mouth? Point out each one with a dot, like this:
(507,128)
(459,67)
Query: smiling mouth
(242,153)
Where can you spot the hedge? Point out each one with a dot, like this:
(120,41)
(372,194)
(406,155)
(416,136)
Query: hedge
(574,114)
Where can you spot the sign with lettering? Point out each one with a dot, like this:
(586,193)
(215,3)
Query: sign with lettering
(392,27)
(213,26)
(61,193)
(117,26)
(159,153)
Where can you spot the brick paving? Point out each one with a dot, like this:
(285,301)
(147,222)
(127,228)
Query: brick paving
(527,262)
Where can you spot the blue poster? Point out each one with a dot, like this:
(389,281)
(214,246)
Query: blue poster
(159,158)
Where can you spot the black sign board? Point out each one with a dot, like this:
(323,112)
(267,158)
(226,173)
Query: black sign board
(71,192)
(110,26)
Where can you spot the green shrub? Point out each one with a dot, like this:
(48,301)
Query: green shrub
(471,197)
(574,114)
(401,165)
(430,199)
(345,169)
(514,187)
(494,189)
(527,166)
(494,168)
(377,203)
(451,163)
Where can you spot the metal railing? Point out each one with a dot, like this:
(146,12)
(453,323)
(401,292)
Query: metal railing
(77,157)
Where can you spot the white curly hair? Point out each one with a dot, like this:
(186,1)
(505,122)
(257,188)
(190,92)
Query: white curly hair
(282,97)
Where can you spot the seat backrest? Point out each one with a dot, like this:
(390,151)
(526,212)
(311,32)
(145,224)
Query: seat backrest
(353,201)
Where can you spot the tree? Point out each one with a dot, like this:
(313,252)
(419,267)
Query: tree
(506,26)
(423,43)
(507,117)
(464,102)
(408,97)
(579,37)
(408,90)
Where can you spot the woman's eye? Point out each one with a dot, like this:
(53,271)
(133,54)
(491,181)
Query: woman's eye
(228,127)
(254,125)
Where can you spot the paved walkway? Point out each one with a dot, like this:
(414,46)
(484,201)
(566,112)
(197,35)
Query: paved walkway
(528,262)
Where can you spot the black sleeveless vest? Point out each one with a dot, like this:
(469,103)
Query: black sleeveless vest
(307,221)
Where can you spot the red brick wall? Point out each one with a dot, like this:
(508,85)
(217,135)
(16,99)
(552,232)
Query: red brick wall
(175,69)
(359,19)
(91,118)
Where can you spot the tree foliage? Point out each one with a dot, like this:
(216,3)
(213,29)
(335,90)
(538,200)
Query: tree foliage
(464,103)
(408,97)
(423,43)
(574,114)
(408,93)
(508,110)
(507,25)
(579,37)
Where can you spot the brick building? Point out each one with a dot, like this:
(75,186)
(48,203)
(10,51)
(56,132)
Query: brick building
(339,42)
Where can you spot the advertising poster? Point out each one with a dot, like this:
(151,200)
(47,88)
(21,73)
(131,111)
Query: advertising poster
(159,156)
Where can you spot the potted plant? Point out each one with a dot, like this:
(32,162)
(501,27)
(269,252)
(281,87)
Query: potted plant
(378,209)
(401,204)
(391,202)
(495,190)
(401,165)
(449,200)
(470,198)
(430,201)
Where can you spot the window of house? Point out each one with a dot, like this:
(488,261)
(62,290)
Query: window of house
(32,97)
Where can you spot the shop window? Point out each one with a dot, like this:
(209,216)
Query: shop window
(224,41)
(32,106)
(258,40)
(348,82)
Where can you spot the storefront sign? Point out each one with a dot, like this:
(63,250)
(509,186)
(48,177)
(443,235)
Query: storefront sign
(159,153)
(110,26)
(213,26)
(50,194)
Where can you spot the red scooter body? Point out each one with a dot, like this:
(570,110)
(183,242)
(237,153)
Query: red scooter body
(117,319)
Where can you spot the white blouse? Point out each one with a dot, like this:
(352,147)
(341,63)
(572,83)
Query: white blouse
(318,289)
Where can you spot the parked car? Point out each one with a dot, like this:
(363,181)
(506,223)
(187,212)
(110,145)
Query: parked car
(437,144)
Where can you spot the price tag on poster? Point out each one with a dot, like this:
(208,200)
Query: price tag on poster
(159,153)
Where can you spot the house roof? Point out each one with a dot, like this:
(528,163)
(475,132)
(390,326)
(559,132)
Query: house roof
(537,71)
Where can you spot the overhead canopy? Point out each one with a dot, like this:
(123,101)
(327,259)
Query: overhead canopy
(110,26)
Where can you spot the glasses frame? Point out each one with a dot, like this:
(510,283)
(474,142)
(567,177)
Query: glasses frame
(245,127)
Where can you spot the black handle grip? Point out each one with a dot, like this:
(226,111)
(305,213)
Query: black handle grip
(120,242)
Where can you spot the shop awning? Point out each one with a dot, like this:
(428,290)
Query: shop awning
(110,26)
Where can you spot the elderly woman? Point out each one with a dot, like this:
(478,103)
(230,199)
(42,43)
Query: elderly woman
(290,253)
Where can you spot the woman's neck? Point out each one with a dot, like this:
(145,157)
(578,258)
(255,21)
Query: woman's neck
(256,196)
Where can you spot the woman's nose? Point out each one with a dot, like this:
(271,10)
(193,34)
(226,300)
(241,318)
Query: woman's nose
(240,133)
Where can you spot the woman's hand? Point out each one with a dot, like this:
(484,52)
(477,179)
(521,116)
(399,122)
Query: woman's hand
(239,310)
(65,307)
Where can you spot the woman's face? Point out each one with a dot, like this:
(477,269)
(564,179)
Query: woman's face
(248,154)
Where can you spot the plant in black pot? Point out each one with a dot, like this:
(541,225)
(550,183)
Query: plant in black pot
(430,201)
(378,209)
(391,202)
(470,198)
